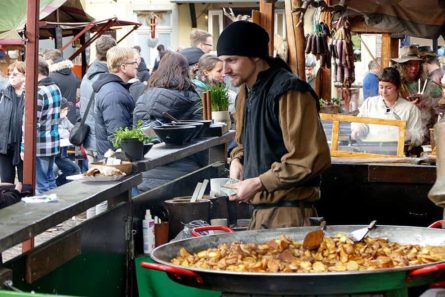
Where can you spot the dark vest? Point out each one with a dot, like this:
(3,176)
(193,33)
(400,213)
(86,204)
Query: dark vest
(262,137)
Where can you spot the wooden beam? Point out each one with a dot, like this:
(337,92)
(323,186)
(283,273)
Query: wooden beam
(386,49)
(267,21)
(32,60)
(394,48)
(290,28)
(295,39)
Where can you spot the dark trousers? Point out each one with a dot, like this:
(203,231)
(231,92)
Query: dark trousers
(8,171)
(66,166)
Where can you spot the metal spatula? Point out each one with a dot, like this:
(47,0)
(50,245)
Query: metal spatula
(359,234)
(313,239)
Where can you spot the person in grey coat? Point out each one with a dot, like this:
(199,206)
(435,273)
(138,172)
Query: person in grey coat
(12,104)
(169,90)
(98,67)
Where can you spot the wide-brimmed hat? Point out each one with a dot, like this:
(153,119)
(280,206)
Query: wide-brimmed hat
(408,54)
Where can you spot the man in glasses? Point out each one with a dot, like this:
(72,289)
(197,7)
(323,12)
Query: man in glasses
(202,43)
(114,104)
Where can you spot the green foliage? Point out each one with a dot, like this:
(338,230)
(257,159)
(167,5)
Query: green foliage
(334,101)
(220,98)
(126,133)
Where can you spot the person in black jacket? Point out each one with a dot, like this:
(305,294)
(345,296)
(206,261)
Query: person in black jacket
(169,90)
(114,104)
(65,79)
(12,105)
(202,43)
(143,71)
(9,196)
(161,52)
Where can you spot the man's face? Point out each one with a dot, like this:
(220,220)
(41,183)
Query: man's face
(130,67)
(240,69)
(207,46)
(412,69)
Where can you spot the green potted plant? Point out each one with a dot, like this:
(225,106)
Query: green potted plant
(220,103)
(133,142)
(330,106)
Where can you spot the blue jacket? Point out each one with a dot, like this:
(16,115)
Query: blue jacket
(370,85)
(113,109)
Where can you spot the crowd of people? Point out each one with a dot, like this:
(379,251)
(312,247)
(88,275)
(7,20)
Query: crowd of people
(121,89)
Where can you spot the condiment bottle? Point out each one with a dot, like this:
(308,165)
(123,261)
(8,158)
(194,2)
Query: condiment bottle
(148,225)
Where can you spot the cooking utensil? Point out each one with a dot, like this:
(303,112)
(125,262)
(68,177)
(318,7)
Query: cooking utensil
(303,283)
(169,116)
(202,189)
(313,239)
(359,234)
(196,192)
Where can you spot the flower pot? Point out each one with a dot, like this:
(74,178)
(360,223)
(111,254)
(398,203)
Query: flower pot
(133,148)
(222,117)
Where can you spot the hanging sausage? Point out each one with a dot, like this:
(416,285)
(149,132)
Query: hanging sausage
(317,44)
(343,53)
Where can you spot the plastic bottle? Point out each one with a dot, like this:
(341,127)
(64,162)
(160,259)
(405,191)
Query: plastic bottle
(148,226)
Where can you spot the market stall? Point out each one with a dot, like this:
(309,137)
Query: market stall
(100,251)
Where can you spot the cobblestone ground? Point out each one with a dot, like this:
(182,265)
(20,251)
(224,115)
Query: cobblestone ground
(45,236)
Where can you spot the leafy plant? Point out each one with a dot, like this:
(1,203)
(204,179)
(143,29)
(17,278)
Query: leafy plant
(333,102)
(126,133)
(220,98)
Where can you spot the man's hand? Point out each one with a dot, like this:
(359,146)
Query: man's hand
(246,189)
(236,169)
(22,156)
(19,186)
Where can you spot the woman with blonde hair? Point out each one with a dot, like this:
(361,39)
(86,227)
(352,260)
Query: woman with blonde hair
(12,103)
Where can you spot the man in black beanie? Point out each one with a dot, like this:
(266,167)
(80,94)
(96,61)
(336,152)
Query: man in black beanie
(282,148)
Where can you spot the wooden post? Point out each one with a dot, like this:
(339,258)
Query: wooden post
(394,48)
(267,21)
(386,49)
(295,39)
(32,60)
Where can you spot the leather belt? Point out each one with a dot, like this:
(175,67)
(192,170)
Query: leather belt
(284,203)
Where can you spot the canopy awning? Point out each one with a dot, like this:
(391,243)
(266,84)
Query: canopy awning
(418,18)
(13,19)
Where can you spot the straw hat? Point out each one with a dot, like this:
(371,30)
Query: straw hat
(408,54)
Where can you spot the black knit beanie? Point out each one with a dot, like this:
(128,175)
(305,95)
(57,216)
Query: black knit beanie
(243,38)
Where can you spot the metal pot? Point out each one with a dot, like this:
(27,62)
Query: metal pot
(301,283)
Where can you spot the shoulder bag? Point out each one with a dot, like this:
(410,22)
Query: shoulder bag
(80,130)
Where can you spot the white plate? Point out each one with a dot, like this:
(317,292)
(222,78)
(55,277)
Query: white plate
(95,178)
(103,178)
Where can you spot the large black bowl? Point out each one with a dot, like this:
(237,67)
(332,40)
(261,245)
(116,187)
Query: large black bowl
(198,127)
(204,129)
(175,134)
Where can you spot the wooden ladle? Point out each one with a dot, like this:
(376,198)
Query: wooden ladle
(313,239)
(169,116)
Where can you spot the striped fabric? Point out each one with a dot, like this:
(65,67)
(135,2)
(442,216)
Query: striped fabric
(48,117)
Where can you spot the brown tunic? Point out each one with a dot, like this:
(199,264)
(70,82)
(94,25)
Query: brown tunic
(308,155)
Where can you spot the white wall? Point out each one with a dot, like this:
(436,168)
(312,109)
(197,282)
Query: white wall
(128,10)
